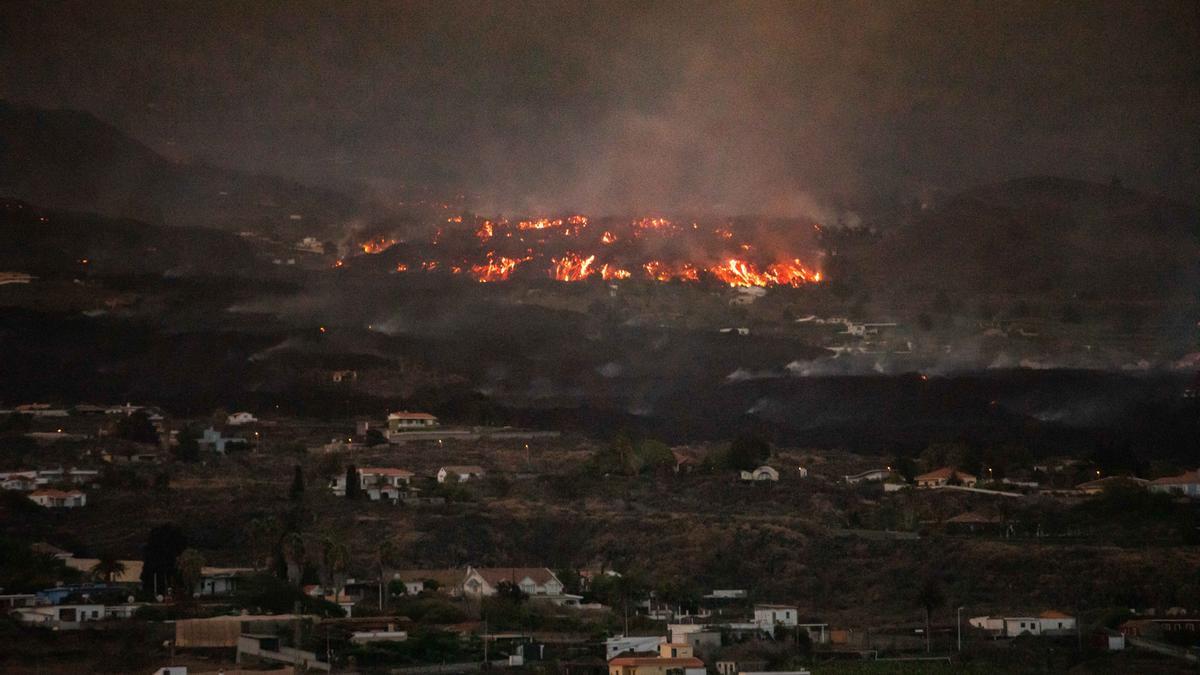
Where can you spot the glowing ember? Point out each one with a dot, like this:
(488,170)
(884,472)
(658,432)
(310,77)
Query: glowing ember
(610,273)
(541,224)
(608,238)
(651,223)
(497,268)
(377,245)
(401,267)
(486,231)
(572,267)
(660,271)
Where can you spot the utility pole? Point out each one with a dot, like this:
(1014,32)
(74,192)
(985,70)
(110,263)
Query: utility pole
(960,609)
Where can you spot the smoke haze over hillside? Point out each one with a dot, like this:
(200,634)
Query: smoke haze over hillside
(729,108)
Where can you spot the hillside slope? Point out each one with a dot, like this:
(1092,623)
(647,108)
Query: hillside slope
(71,160)
(1045,235)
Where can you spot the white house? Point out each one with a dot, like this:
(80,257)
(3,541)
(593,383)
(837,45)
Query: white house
(24,481)
(767,617)
(409,421)
(240,418)
(1049,622)
(378,483)
(58,499)
(1187,484)
(870,476)
(459,474)
(59,617)
(483,582)
(760,474)
(213,439)
(622,644)
(220,580)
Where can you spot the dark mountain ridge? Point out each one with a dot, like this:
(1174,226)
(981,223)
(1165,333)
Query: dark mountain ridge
(68,159)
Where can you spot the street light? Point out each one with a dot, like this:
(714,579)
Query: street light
(960,609)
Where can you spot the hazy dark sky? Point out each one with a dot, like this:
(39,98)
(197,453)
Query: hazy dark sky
(609,106)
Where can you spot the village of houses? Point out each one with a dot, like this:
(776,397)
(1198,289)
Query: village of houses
(348,610)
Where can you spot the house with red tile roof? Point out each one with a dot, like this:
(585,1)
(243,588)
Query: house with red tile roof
(58,499)
(672,658)
(1187,483)
(945,476)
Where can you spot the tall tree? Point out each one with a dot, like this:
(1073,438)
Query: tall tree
(748,452)
(163,546)
(292,549)
(930,598)
(260,533)
(388,557)
(137,427)
(335,559)
(353,486)
(190,564)
(187,445)
(296,493)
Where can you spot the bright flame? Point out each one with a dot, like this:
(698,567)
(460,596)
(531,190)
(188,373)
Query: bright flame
(572,267)
(608,238)
(610,273)
(741,273)
(378,245)
(498,268)
(540,224)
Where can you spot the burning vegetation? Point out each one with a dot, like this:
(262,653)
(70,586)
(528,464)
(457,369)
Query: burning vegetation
(574,248)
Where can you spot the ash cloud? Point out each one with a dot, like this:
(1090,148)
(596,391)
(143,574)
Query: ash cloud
(796,109)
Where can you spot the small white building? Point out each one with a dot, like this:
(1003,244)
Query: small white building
(622,644)
(1049,622)
(59,617)
(58,499)
(869,476)
(762,473)
(240,418)
(767,617)
(459,474)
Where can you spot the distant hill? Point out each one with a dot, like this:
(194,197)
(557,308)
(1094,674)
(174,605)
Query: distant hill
(60,243)
(68,159)
(1043,235)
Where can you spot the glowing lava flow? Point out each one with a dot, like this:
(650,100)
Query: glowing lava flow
(498,268)
(379,245)
(660,271)
(741,273)
(572,267)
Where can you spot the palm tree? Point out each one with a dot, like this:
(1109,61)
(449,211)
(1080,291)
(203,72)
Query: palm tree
(260,532)
(292,548)
(108,568)
(336,558)
(930,598)
(190,564)
(388,557)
